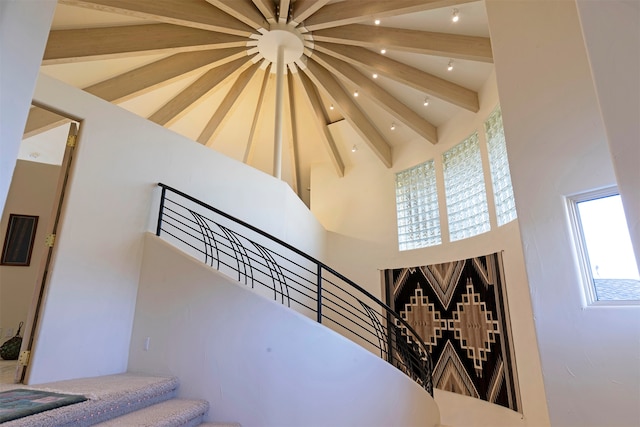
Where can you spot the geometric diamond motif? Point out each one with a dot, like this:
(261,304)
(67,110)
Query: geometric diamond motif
(462,314)
(443,279)
(422,316)
(474,327)
(450,375)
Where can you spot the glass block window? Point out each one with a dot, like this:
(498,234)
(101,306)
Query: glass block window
(465,190)
(417,206)
(499,165)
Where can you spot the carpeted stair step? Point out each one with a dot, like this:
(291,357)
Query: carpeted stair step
(170,413)
(109,397)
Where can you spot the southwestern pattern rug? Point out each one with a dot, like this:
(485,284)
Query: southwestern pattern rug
(460,311)
(20,403)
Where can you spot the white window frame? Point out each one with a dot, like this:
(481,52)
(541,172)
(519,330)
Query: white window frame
(583,263)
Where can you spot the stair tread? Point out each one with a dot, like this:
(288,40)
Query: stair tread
(171,412)
(109,396)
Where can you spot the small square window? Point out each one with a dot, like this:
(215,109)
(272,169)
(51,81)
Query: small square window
(604,246)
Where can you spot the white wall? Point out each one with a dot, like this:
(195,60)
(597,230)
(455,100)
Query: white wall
(611,31)
(31,193)
(257,362)
(360,212)
(112,198)
(558,146)
(24,28)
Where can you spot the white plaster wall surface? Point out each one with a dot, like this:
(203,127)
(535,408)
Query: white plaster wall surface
(257,362)
(31,193)
(611,31)
(557,147)
(24,28)
(111,201)
(359,211)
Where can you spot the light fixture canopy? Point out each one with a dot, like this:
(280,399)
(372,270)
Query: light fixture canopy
(450,66)
(455,16)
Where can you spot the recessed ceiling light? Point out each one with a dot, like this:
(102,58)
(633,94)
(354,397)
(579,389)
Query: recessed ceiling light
(355,93)
(331,107)
(377,22)
(455,17)
(450,66)
(354,148)
(393,126)
(383,51)
(375,75)
(426,102)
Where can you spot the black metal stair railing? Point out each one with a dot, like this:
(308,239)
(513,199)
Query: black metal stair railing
(278,270)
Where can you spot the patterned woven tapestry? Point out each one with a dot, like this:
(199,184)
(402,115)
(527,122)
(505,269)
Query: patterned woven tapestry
(460,310)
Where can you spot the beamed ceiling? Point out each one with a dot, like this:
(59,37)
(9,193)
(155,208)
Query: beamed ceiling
(201,69)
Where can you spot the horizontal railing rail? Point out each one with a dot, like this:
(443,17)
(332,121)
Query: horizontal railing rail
(282,272)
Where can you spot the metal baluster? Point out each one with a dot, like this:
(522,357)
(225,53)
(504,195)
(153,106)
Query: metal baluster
(319,309)
(160,211)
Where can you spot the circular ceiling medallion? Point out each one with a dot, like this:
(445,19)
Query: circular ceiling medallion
(281,35)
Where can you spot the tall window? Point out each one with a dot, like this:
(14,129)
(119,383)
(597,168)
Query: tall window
(465,190)
(604,246)
(499,165)
(417,207)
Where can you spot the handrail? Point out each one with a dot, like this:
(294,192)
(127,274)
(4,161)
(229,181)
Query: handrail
(308,283)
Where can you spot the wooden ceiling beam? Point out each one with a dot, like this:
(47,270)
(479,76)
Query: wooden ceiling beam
(187,13)
(352,12)
(139,81)
(178,106)
(243,10)
(315,105)
(41,120)
(403,73)
(295,138)
(160,73)
(222,112)
(423,42)
(283,11)
(303,9)
(267,9)
(382,98)
(248,153)
(350,110)
(66,46)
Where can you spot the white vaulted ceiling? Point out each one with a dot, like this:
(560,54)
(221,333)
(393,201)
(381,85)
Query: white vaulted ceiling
(198,67)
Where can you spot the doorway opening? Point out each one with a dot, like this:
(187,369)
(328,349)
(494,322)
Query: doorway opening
(36,192)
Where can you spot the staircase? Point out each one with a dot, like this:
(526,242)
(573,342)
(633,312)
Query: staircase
(120,400)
